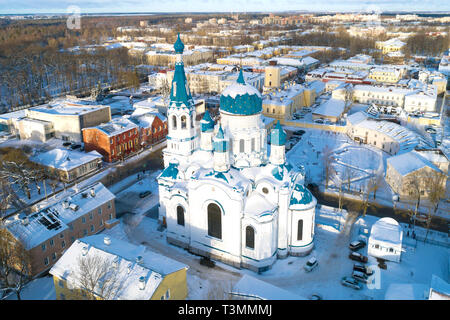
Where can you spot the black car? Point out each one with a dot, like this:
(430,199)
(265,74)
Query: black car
(350,282)
(358,257)
(144,194)
(355,245)
(364,269)
(298,132)
(75,146)
(66,144)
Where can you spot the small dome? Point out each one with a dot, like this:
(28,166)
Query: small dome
(241,98)
(178,46)
(277,135)
(207,123)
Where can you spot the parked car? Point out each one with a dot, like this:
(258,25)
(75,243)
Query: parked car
(311,264)
(75,146)
(358,257)
(359,276)
(431,130)
(358,244)
(205,261)
(66,144)
(362,268)
(318,121)
(350,282)
(144,194)
(298,132)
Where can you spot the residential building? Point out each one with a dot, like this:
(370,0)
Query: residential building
(66,165)
(113,140)
(47,233)
(402,169)
(129,272)
(385,240)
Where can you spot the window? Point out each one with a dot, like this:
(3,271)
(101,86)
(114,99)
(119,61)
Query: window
(53,256)
(241,145)
(265,190)
(91,216)
(391,249)
(85,232)
(46,261)
(253,144)
(109,206)
(63,244)
(180,215)
(183,122)
(43,246)
(250,237)
(214,221)
(83,219)
(52,242)
(61,283)
(92,228)
(300,230)
(99,210)
(174,122)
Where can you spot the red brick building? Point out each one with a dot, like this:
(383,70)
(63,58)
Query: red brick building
(152,128)
(113,140)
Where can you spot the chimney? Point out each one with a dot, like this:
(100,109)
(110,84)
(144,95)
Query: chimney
(107,240)
(92,192)
(116,262)
(139,260)
(130,266)
(24,218)
(141,283)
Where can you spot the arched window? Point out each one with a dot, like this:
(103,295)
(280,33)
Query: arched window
(214,221)
(300,230)
(253,144)
(183,122)
(241,145)
(180,215)
(192,123)
(174,122)
(250,237)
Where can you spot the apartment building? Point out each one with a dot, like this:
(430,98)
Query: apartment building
(113,140)
(66,165)
(47,233)
(137,273)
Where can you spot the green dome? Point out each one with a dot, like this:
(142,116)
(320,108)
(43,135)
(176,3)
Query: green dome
(178,46)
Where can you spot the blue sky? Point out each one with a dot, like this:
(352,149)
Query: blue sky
(96,6)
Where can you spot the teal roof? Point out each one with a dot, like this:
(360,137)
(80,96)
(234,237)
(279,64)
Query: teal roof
(220,144)
(170,172)
(300,195)
(179,45)
(277,135)
(180,93)
(207,123)
(241,98)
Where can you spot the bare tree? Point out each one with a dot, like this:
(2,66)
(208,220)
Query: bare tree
(415,187)
(435,183)
(15,263)
(328,168)
(97,277)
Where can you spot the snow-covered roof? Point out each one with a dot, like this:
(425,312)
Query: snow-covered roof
(439,286)
(387,230)
(331,108)
(116,126)
(68,107)
(259,207)
(301,198)
(53,219)
(252,288)
(409,162)
(130,265)
(64,159)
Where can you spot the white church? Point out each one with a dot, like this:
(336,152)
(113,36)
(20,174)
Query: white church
(221,194)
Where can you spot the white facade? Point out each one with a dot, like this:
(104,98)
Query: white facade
(385,240)
(231,203)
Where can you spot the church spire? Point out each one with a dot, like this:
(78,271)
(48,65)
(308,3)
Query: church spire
(240,79)
(180,95)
